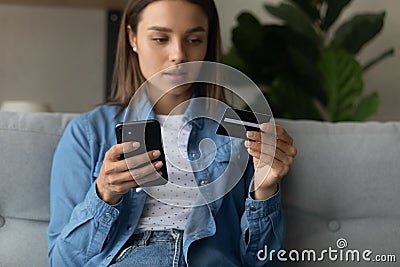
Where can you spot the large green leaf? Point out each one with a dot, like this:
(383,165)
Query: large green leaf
(287,58)
(354,34)
(311,86)
(366,107)
(247,41)
(249,28)
(289,100)
(342,79)
(233,58)
(295,18)
(308,7)
(259,50)
(334,8)
(302,63)
(272,58)
(285,50)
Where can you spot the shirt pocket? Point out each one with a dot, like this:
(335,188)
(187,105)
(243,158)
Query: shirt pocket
(221,162)
(232,164)
(222,157)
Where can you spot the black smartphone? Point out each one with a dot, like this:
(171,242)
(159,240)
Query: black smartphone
(148,134)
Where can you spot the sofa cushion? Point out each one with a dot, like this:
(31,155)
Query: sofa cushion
(345,183)
(27,144)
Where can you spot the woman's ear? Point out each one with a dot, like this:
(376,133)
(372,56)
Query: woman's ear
(132,37)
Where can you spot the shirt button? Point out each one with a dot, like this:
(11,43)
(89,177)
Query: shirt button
(139,189)
(203,182)
(108,215)
(194,155)
(108,257)
(129,227)
(253,208)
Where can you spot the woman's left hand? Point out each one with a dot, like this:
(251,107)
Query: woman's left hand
(270,163)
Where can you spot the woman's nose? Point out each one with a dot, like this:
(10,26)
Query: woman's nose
(178,52)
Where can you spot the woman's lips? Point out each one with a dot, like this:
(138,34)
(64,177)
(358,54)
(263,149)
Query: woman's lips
(175,76)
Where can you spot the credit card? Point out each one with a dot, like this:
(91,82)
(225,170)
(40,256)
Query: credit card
(236,122)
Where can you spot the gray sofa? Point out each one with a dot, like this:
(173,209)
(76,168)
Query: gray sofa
(343,187)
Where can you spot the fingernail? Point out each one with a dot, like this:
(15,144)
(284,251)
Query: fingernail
(249,134)
(158,165)
(156,153)
(266,127)
(135,145)
(247,143)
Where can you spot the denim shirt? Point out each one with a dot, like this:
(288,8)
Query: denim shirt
(228,231)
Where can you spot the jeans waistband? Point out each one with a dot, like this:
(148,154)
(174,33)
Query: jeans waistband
(146,237)
(152,239)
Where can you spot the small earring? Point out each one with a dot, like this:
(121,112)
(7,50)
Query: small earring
(134,49)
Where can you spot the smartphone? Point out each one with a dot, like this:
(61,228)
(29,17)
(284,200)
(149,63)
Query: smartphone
(148,134)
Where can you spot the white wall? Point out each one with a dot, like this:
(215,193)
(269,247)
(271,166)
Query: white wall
(382,78)
(53,55)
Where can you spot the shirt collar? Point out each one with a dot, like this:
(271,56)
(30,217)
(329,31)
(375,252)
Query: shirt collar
(202,108)
(140,108)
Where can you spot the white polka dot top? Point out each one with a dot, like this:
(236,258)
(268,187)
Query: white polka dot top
(168,206)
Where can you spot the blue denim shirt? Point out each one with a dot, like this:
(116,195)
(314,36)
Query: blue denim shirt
(86,231)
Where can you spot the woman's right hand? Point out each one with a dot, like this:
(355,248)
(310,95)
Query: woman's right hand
(118,176)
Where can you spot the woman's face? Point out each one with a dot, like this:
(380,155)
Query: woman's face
(170,32)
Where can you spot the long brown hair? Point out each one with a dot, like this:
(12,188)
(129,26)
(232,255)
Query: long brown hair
(127,77)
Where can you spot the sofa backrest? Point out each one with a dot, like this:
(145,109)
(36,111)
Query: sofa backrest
(27,143)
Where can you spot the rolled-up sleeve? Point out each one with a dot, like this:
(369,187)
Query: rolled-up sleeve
(263,230)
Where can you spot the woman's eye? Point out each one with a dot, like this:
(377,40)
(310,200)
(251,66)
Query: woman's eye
(160,40)
(194,41)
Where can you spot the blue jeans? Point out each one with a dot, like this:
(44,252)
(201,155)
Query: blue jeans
(153,248)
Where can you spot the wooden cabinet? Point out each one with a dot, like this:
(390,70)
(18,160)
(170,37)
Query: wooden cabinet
(106,4)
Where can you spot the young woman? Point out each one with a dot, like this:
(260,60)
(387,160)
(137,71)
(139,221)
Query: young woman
(99,214)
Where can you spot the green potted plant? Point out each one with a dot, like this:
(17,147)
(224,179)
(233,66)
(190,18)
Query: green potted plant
(307,69)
